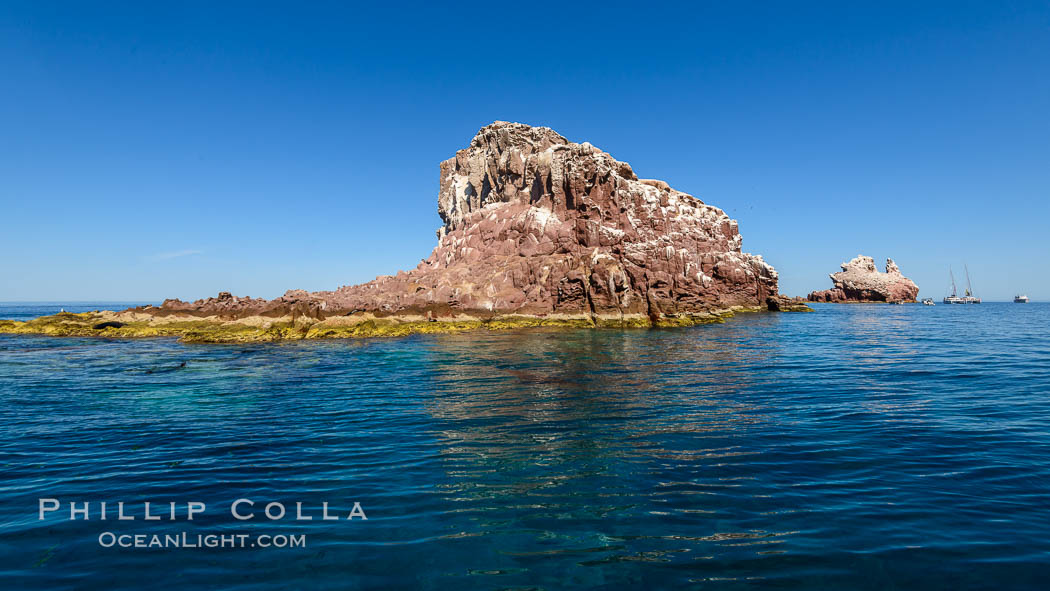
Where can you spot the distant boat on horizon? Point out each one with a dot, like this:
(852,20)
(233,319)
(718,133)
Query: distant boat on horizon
(928,302)
(1020,299)
(955,298)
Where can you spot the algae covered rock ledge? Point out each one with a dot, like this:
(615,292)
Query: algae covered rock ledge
(135,324)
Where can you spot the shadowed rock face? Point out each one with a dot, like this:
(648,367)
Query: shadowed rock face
(535,224)
(860,281)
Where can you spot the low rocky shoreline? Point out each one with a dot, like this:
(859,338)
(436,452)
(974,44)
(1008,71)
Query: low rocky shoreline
(135,323)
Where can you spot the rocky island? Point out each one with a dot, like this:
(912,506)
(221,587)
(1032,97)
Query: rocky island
(860,281)
(537,231)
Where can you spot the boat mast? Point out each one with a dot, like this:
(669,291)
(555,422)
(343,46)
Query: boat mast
(952,275)
(969,290)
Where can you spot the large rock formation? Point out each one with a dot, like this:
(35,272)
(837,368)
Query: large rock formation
(535,224)
(535,227)
(860,281)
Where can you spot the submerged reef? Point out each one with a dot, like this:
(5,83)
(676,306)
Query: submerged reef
(537,231)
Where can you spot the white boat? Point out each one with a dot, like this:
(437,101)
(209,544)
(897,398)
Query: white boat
(928,302)
(955,298)
(1020,299)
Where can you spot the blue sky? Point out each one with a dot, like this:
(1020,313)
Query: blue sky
(155,151)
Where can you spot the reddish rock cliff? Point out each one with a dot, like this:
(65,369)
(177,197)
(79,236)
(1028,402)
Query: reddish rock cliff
(535,224)
(860,281)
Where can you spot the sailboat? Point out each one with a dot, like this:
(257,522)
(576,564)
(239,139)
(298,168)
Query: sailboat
(969,298)
(955,298)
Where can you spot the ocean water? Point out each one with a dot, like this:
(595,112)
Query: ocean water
(856,447)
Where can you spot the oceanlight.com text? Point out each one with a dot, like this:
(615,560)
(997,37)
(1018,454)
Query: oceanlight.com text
(186,540)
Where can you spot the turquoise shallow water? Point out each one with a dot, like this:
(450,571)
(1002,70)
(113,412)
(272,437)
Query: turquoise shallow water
(856,447)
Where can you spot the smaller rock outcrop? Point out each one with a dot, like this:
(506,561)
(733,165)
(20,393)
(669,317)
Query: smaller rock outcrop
(860,281)
(782,303)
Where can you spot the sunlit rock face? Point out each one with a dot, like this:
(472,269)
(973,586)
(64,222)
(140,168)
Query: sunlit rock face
(860,281)
(535,224)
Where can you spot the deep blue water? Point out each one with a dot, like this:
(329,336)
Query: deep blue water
(856,447)
(29,310)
